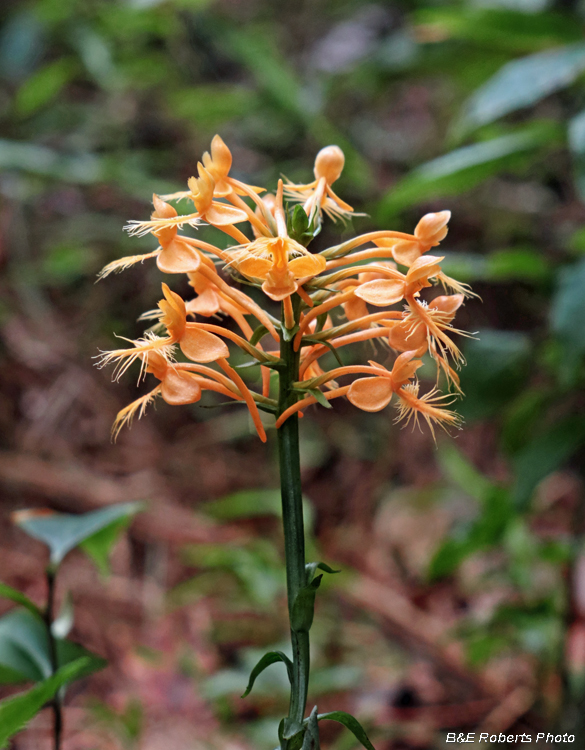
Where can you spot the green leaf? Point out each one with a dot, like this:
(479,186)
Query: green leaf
(44,85)
(288,334)
(62,532)
(568,309)
(99,546)
(24,649)
(320,397)
(459,470)
(462,169)
(17,711)
(270,658)
(211,106)
(522,83)
(303,609)
(310,569)
(545,454)
(7,592)
(351,723)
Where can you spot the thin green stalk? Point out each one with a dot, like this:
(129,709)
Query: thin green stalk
(49,617)
(292,516)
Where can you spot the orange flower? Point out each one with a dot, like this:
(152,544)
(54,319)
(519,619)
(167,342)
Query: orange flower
(201,192)
(182,384)
(318,195)
(429,232)
(384,292)
(280,262)
(374,393)
(196,343)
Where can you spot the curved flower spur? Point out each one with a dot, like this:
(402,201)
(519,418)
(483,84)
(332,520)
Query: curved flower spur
(366,288)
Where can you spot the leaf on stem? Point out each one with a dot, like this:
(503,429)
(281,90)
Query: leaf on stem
(310,569)
(303,609)
(351,723)
(17,711)
(7,592)
(272,657)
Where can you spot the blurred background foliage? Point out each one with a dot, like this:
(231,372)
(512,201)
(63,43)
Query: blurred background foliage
(462,601)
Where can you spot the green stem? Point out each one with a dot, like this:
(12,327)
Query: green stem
(49,617)
(292,517)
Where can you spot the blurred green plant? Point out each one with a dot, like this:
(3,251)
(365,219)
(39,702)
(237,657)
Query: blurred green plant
(33,641)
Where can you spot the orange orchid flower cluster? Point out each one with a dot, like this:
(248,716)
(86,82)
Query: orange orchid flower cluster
(364,289)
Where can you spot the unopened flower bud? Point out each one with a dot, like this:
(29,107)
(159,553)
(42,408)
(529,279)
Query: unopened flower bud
(432,228)
(329,163)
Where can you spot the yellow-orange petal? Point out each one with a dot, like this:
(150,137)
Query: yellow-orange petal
(206,303)
(381,292)
(174,312)
(424,267)
(307,265)
(404,368)
(257,268)
(178,257)
(406,252)
(370,394)
(180,388)
(355,308)
(279,286)
(202,346)
(220,215)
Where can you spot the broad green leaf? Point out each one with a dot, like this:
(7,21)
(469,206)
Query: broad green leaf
(462,169)
(24,649)
(99,546)
(62,532)
(7,592)
(272,657)
(459,470)
(523,82)
(17,711)
(44,85)
(303,609)
(502,27)
(544,454)
(351,723)
(568,309)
